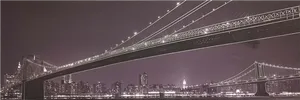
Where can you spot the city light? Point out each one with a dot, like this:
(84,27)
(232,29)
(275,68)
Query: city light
(19,65)
(178,3)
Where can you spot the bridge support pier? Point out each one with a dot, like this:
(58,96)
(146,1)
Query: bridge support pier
(261,89)
(33,90)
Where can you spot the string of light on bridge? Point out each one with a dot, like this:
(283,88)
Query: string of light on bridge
(193,21)
(196,8)
(150,24)
(280,67)
(238,76)
(242,75)
(243,71)
(184,26)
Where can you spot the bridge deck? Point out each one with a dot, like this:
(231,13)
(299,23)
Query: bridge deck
(227,37)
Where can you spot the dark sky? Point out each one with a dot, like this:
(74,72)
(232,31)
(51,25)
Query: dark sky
(62,32)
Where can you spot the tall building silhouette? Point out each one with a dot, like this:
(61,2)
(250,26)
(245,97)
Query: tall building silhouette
(143,79)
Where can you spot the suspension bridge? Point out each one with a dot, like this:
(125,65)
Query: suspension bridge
(277,23)
(257,70)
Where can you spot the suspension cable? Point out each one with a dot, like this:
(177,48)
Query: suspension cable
(239,73)
(175,21)
(49,64)
(242,75)
(38,64)
(203,16)
(151,24)
(280,67)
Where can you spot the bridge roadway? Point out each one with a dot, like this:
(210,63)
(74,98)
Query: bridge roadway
(34,87)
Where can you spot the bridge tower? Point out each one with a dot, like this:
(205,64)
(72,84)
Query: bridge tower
(32,89)
(260,86)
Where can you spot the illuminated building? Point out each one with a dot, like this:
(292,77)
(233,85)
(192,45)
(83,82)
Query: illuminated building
(273,87)
(116,88)
(48,87)
(73,87)
(143,79)
(19,70)
(66,84)
(10,79)
(131,89)
(86,88)
(143,83)
(14,78)
(80,87)
(289,86)
(184,84)
(62,87)
(68,88)
(68,78)
(99,88)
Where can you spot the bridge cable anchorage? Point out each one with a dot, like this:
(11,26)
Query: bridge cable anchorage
(150,24)
(215,9)
(230,78)
(280,67)
(201,5)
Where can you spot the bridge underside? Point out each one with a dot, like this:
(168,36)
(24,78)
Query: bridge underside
(235,36)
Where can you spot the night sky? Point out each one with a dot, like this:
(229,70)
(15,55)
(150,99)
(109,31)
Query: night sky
(63,32)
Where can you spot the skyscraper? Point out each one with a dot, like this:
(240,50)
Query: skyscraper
(116,88)
(70,78)
(184,84)
(143,79)
(67,78)
(99,88)
(10,79)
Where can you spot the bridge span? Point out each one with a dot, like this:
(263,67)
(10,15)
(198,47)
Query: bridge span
(261,26)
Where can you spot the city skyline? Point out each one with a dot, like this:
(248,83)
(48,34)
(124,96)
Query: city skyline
(177,49)
(175,66)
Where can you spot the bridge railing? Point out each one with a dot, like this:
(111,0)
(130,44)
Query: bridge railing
(277,15)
